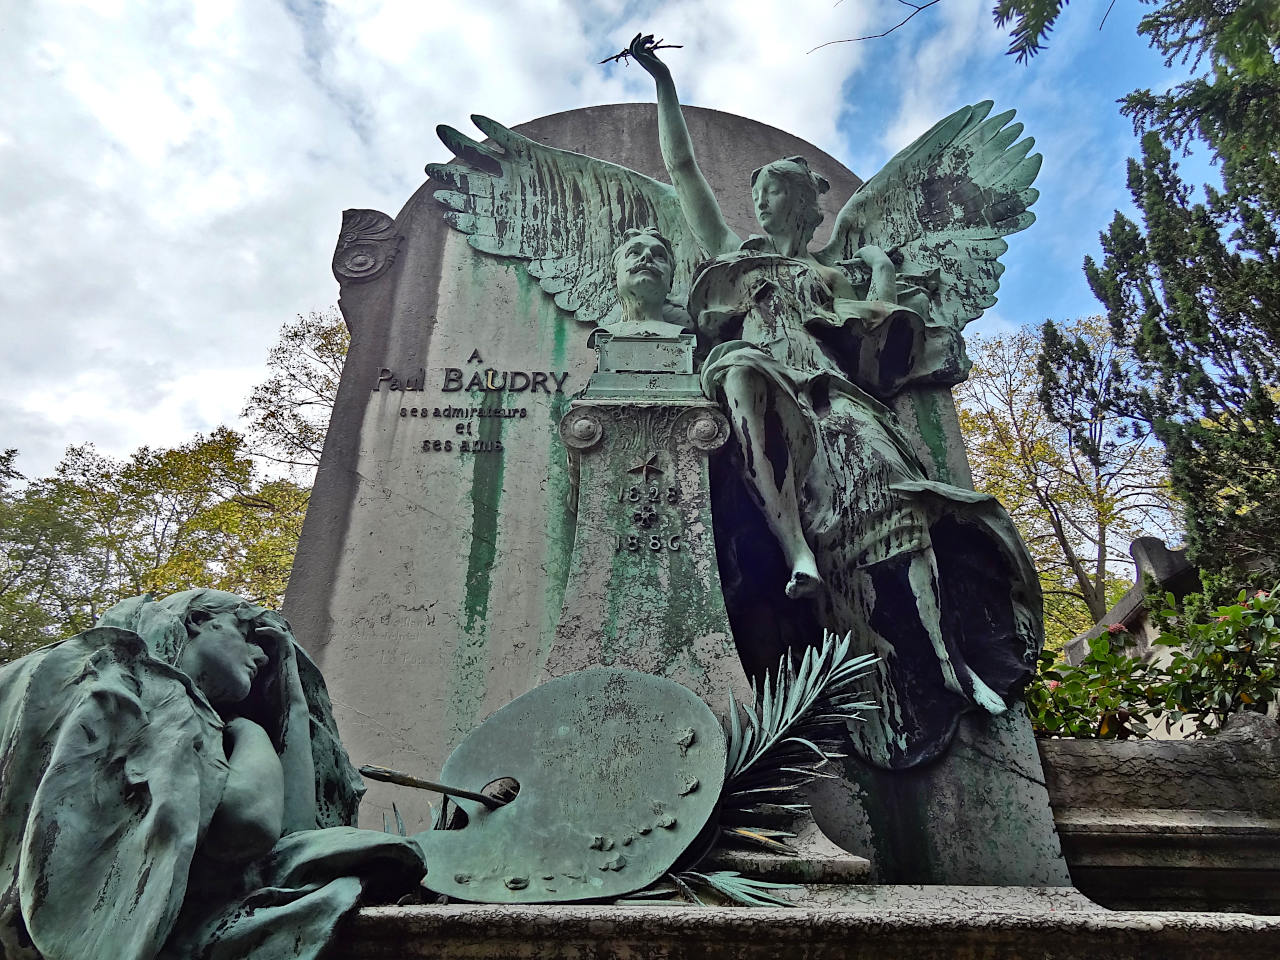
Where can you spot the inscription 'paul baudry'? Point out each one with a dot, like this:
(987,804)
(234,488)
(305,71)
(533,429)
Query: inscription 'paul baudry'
(486,380)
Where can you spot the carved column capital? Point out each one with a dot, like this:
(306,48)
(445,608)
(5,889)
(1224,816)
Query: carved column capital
(639,426)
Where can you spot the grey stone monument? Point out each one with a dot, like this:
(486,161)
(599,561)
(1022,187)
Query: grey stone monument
(474,529)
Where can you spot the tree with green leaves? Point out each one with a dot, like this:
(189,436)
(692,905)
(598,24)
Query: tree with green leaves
(289,412)
(1242,32)
(37,594)
(100,529)
(1194,291)
(160,520)
(1078,494)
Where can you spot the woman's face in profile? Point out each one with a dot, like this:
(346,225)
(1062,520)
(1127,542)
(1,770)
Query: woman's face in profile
(773,201)
(221,659)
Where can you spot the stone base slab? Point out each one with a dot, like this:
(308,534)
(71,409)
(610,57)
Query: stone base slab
(1170,825)
(949,928)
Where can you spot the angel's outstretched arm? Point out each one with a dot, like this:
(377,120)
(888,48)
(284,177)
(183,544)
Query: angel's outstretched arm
(696,199)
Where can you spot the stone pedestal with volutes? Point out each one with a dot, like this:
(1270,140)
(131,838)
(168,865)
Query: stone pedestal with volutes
(644,588)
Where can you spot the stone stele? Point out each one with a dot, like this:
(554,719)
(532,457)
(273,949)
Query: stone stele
(430,579)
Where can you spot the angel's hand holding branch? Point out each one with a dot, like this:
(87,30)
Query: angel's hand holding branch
(642,49)
(699,204)
(884,276)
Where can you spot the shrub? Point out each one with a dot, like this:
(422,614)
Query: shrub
(1220,664)
(1229,663)
(1107,695)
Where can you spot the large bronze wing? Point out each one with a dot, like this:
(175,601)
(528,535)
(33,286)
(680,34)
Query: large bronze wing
(561,212)
(946,203)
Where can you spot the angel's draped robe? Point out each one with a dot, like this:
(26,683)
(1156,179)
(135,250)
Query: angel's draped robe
(932,577)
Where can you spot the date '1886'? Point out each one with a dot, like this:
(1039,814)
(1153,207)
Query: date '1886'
(639,543)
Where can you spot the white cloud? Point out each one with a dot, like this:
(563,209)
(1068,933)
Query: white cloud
(964,35)
(750,58)
(172,173)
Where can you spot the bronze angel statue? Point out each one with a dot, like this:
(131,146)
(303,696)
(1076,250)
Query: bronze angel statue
(826,518)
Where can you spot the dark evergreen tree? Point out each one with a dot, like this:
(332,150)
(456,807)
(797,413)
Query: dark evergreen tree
(1195,290)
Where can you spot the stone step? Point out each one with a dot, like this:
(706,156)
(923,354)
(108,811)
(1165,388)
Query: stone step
(907,924)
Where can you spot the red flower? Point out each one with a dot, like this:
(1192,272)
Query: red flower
(1116,628)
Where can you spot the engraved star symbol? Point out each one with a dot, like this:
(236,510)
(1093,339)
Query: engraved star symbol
(646,467)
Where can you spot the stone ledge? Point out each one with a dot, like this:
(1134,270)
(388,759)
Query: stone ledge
(458,932)
(1208,831)
(1228,823)
(1169,825)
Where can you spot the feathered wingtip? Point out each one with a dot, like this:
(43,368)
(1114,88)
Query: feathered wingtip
(475,154)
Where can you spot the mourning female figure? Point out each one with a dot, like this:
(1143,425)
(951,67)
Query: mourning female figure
(804,352)
(172,785)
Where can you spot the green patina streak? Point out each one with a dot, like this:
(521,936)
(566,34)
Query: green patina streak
(637,583)
(560,523)
(486,492)
(469,664)
(929,425)
(619,570)
(680,620)
(686,613)
(470,657)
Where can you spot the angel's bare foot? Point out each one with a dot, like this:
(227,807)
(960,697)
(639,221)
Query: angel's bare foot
(804,581)
(802,585)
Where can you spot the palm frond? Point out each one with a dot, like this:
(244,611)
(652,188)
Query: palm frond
(781,742)
(735,887)
(760,837)
(657,891)
(775,746)
(399,821)
(686,891)
(400,830)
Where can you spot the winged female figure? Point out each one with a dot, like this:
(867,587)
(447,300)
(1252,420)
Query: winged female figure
(805,349)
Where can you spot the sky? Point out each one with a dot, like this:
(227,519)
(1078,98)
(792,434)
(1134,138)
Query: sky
(172,174)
